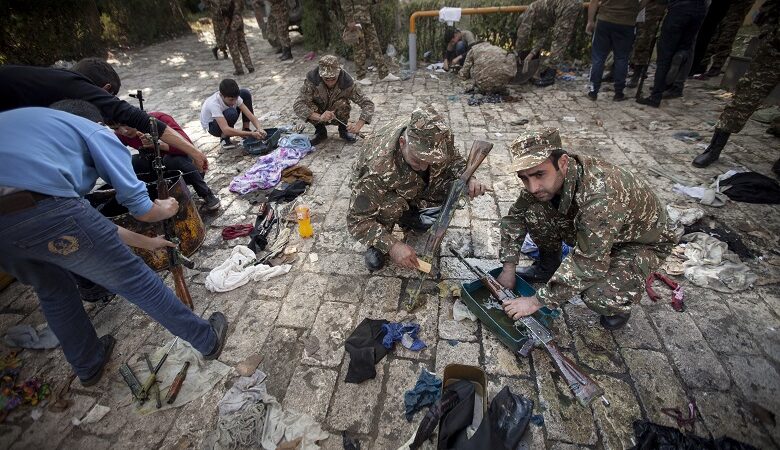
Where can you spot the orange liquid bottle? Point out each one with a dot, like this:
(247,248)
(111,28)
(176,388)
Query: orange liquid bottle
(304,221)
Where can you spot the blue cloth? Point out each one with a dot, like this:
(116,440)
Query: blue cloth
(406,332)
(529,248)
(426,392)
(42,245)
(296,141)
(618,39)
(55,153)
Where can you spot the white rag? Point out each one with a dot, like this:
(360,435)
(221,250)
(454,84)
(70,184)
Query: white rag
(712,265)
(232,273)
(449,15)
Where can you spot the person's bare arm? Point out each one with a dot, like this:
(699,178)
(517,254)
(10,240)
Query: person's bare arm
(174,139)
(592,9)
(161,210)
(227,130)
(252,118)
(133,239)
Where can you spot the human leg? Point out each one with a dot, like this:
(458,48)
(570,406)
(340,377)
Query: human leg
(600,47)
(246,97)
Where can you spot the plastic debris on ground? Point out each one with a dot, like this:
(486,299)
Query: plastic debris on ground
(425,392)
(405,332)
(687,136)
(15,393)
(27,336)
(93,416)
(683,215)
(461,312)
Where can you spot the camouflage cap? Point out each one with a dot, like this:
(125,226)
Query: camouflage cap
(533,148)
(428,134)
(329,66)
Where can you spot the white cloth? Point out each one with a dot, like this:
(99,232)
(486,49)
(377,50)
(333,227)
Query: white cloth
(712,265)
(25,336)
(232,273)
(706,196)
(213,107)
(683,215)
(449,15)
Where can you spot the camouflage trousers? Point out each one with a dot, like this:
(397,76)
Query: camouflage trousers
(267,30)
(646,32)
(236,44)
(533,26)
(341,108)
(630,263)
(368,43)
(720,46)
(279,22)
(218,21)
(762,76)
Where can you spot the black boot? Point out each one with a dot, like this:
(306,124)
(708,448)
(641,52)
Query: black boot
(712,152)
(286,54)
(634,80)
(649,101)
(224,54)
(776,168)
(546,78)
(214,51)
(375,259)
(615,322)
(320,134)
(278,50)
(219,324)
(541,271)
(346,135)
(107,342)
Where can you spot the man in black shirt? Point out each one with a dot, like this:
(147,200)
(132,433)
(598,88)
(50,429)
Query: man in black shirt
(93,80)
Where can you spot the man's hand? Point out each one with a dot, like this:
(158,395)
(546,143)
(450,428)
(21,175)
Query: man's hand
(327,116)
(355,128)
(589,27)
(521,307)
(200,161)
(507,278)
(476,188)
(153,243)
(168,207)
(259,135)
(146,140)
(403,255)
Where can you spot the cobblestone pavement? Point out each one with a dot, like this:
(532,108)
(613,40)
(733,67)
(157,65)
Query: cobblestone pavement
(724,351)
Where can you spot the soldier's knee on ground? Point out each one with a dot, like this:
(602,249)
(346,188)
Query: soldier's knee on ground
(608,299)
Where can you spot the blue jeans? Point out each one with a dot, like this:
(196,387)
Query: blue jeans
(678,33)
(613,37)
(42,245)
(231,114)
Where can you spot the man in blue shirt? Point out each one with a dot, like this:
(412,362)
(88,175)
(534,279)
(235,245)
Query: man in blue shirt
(51,159)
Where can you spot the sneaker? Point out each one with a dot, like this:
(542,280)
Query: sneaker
(618,97)
(390,77)
(251,69)
(238,72)
(365,81)
(219,324)
(211,204)
(672,93)
(374,259)
(615,322)
(649,101)
(593,95)
(108,343)
(227,144)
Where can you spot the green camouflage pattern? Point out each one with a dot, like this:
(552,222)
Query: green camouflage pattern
(491,68)
(533,148)
(384,186)
(234,33)
(315,97)
(429,135)
(279,22)
(615,222)
(548,25)
(367,45)
(218,22)
(329,66)
(719,47)
(646,32)
(762,75)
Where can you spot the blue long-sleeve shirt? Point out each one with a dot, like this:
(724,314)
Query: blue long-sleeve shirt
(56,153)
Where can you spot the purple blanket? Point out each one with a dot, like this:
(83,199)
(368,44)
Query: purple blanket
(267,171)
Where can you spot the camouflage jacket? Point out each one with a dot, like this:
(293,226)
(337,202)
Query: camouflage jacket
(488,65)
(314,91)
(357,11)
(381,178)
(544,15)
(610,206)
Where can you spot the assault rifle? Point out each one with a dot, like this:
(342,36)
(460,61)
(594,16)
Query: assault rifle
(584,388)
(174,254)
(478,153)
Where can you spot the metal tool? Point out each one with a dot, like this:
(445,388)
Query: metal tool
(173,391)
(155,387)
(358,134)
(131,380)
(152,380)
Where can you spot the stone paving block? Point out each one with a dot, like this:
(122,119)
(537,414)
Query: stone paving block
(727,415)
(533,437)
(354,406)
(484,206)
(615,421)
(764,328)
(33,437)
(722,329)
(310,391)
(499,360)
(195,421)
(9,434)
(300,306)
(336,241)
(395,430)
(345,289)
(564,418)
(449,328)
(249,331)
(485,238)
(759,382)
(656,383)
(380,298)
(324,346)
(427,316)
(90,442)
(461,353)
(337,264)
(638,333)
(595,346)
(697,363)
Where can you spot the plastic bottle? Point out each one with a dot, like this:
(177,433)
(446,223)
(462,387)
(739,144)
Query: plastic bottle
(304,221)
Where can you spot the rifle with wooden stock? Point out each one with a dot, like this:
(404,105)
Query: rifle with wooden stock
(477,154)
(177,260)
(583,387)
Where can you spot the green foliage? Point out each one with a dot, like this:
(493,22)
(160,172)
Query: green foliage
(314,24)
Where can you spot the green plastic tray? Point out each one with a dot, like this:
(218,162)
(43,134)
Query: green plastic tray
(475,296)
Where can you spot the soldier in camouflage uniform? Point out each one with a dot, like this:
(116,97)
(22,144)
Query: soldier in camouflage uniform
(719,47)
(615,222)
(357,15)
(547,24)
(279,24)
(491,68)
(233,17)
(645,39)
(267,30)
(326,95)
(407,165)
(761,78)
(219,28)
